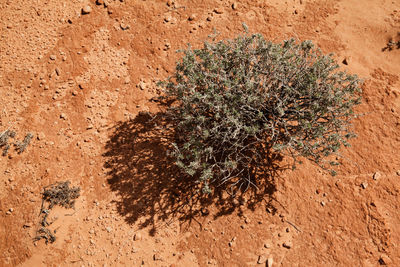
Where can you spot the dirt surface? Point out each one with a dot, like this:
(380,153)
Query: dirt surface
(78,81)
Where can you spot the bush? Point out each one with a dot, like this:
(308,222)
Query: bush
(236,101)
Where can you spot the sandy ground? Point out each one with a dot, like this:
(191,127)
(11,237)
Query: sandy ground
(78,82)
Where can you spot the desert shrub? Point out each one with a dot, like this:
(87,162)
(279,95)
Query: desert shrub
(235,101)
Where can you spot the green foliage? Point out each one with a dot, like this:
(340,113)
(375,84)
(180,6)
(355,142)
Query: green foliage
(234,101)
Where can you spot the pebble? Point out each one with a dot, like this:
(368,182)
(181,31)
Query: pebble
(398,172)
(86,10)
(364,185)
(267,245)
(108,229)
(99,2)
(234,6)
(63,116)
(323,203)
(53,57)
(376,176)
(346,61)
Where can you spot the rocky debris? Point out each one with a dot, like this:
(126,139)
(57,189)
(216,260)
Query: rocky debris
(364,185)
(99,2)
(323,203)
(398,172)
(267,245)
(86,10)
(376,176)
(63,116)
(53,57)
(234,6)
(346,61)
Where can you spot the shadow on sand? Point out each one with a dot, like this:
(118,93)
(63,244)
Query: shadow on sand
(151,188)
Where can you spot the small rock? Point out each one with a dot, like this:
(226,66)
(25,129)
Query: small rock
(323,203)
(53,57)
(108,229)
(209,18)
(346,61)
(261,259)
(92,242)
(247,220)
(99,2)
(287,244)
(318,29)
(376,176)
(398,172)
(364,185)
(86,10)
(63,116)
(91,231)
(124,26)
(157,257)
(142,85)
(218,10)
(192,17)
(267,245)
(270,261)
(137,237)
(234,6)
(58,72)
(384,260)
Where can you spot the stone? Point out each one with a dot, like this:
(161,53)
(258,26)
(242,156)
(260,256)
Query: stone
(398,172)
(99,2)
(270,261)
(157,257)
(137,237)
(287,244)
(192,17)
(376,176)
(262,259)
(364,185)
(108,229)
(323,203)
(86,10)
(384,260)
(267,245)
(346,61)
(142,85)
(124,26)
(234,6)
(218,10)
(63,116)
(53,57)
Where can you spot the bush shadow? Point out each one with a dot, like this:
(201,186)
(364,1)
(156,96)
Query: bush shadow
(152,190)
